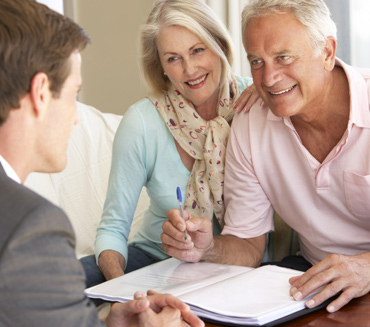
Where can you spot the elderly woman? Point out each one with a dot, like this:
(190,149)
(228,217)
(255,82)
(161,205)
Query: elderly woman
(176,137)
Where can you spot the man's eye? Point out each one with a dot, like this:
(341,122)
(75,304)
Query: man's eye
(256,64)
(285,60)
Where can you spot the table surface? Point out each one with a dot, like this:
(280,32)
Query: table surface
(356,313)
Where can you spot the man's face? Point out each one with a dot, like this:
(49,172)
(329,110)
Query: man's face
(287,74)
(60,119)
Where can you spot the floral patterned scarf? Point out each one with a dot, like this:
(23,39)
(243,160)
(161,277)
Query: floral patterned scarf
(203,140)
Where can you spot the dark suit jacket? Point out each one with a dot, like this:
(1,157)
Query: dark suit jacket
(41,281)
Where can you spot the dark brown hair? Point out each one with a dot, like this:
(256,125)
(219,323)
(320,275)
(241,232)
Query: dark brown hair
(33,39)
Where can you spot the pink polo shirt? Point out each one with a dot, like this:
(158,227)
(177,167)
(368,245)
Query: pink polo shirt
(268,168)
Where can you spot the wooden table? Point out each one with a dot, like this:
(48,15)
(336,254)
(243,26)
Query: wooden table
(354,314)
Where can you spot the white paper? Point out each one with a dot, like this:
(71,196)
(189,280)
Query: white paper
(220,292)
(168,276)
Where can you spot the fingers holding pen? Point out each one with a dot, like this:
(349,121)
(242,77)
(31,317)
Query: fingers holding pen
(174,230)
(199,236)
(175,226)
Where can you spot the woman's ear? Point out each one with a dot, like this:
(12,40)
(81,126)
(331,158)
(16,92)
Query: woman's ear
(40,93)
(330,50)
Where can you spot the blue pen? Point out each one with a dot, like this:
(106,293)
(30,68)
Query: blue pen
(179,198)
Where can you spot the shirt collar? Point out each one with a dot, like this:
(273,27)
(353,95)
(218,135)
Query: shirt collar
(359,97)
(9,171)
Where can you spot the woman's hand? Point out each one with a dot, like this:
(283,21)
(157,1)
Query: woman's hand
(247,99)
(199,236)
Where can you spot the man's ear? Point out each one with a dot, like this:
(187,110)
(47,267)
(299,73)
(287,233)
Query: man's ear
(330,50)
(40,93)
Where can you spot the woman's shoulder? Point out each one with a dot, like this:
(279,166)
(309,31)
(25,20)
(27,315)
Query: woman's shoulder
(243,82)
(143,106)
(142,118)
(143,112)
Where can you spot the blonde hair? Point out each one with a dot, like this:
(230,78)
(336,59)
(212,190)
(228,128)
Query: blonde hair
(195,16)
(314,14)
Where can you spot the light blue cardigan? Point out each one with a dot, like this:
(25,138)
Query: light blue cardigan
(144,154)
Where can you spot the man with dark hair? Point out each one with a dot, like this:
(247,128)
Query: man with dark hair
(41,281)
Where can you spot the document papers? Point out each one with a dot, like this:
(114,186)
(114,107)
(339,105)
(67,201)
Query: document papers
(222,293)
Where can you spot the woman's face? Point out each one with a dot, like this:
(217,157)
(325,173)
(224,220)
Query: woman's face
(193,69)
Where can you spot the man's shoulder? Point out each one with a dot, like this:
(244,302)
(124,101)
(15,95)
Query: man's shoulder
(13,193)
(257,114)
(356,75)
(365,74)
(38,259)
(25,215)
(17,202)
(258,127)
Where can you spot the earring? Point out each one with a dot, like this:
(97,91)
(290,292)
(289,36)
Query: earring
(164,73)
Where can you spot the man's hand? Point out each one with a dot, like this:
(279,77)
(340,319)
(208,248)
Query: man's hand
(159,302)
(126,314)
(199,236)
(347,274)
(157,310)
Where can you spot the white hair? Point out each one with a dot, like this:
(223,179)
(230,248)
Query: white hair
(314,14)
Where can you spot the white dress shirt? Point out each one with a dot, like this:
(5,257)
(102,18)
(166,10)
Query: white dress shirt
(9,170)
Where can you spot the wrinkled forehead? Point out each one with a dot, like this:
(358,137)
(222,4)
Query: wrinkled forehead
(275,33)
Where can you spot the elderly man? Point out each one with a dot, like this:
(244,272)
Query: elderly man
(305,155)
(41,281)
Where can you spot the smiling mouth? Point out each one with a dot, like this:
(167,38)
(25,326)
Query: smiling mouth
(198,81)
(284,91)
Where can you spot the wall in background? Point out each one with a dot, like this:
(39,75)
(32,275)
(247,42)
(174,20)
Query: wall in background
(110,73)
(360,33)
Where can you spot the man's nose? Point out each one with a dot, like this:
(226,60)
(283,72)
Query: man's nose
(271,75)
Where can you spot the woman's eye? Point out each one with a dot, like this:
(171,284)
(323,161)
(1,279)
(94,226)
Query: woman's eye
(197,50)
(172,59)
